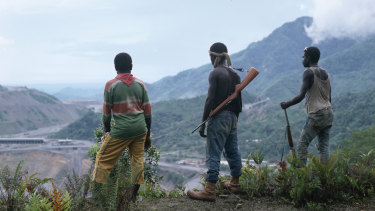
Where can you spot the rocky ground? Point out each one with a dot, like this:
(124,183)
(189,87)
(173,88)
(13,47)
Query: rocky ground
(234,202)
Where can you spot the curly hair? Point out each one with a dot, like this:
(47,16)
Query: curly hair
(313,53)
(123,62)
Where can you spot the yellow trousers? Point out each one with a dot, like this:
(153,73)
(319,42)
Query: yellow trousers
(111,149)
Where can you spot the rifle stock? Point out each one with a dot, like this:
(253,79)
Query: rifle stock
(289,134)
(252,73)
(239,87)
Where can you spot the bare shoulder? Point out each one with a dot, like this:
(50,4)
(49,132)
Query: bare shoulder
(308,73)
(215,72)
(323,73)
(323,70)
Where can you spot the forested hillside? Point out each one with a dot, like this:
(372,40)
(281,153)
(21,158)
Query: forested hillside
(82,129)
(261,127)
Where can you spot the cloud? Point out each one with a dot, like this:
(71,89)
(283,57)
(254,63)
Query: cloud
(100,45)
(43,6)
(5,41)
(342,18)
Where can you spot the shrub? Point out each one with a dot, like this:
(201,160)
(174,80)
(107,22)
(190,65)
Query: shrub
(256,181)
(340,179)
(37,202)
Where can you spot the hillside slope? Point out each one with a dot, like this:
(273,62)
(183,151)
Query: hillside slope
(82,129)
(261,127)
(23,109)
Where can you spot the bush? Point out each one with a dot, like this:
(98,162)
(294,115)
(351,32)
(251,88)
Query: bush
(342,178)
(256,181)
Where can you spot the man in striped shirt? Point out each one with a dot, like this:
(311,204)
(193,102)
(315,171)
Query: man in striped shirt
(126,100)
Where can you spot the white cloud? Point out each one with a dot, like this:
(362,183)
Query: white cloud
(5,41)
(98,46)
(43,6)
(342,18)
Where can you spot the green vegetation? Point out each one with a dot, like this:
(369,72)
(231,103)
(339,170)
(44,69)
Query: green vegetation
(259,128)
(115,195)
(353,111)
(81,129)
(174,177)
(347,176)
(361,142)
(342,178)
(17,186)
(174,120)
(22,192)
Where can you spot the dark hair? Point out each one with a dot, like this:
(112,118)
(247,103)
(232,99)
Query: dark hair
(218,47)
(313,53)
(123,62)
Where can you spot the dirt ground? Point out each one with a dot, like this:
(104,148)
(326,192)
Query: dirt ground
(233,202)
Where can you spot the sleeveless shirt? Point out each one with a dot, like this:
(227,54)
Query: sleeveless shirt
(317,97)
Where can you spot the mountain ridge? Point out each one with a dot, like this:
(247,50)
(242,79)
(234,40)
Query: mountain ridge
(276,56)
(23,109)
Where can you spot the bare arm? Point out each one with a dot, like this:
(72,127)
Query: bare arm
(307,81)
(107,111)
(208,106)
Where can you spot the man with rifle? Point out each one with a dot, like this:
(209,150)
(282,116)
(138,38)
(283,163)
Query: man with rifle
(221,128)
(316,88)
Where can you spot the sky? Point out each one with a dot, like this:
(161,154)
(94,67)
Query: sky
(75,41)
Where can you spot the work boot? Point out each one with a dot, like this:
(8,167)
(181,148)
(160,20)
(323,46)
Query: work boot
(207,194)
(233,184)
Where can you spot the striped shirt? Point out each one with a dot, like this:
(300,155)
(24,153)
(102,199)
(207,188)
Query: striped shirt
(128,105)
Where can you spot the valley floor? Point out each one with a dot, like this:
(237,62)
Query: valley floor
(233,202)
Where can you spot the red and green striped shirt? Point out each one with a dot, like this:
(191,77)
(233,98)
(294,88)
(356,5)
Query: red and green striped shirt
(129,106)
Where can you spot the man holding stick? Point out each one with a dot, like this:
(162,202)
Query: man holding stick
(221,128)
(317,89)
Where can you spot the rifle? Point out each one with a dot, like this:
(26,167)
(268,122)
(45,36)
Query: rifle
(251,74)
(289,134)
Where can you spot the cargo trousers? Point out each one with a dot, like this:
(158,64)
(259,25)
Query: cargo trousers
(317,124)
(111,149)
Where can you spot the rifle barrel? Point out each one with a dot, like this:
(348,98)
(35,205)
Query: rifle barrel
(201,124)
(286,116)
